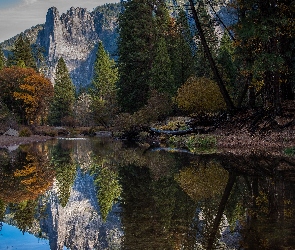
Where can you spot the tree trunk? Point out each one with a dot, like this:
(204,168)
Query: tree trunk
(221,85)
(230,183)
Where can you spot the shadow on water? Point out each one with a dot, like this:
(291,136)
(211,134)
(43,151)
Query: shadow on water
(102,194)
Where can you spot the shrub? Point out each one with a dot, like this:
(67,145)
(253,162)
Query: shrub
(25,132)
(200,95)
(158,106)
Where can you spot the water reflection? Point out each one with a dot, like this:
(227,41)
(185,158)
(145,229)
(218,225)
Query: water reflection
(100,194)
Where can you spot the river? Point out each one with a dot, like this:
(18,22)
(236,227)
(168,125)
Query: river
(99,193)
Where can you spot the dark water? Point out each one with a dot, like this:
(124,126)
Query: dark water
(100,194)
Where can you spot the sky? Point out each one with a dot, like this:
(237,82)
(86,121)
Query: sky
(18,15)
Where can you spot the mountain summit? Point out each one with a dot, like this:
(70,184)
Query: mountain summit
(74,35)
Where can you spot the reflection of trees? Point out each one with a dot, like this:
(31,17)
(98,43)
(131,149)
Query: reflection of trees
(24,175)
(109,157)
(156,213)
(164,210)
(2,210)
(209,185)
(269,222)
(65,169)
(203,180)
(108,187)
(24,214)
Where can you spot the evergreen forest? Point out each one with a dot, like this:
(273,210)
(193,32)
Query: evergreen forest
(174,59)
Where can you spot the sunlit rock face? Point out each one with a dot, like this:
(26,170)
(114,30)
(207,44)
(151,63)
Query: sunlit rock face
(79,225)
(74,36)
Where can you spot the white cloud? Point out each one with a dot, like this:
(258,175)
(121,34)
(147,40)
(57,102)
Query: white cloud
(28,13)
(30,1)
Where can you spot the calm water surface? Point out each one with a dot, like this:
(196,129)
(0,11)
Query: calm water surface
(101,194)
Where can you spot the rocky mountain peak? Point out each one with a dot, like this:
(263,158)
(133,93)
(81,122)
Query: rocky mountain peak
(74,35)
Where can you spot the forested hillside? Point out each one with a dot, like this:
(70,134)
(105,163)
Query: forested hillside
(184,59)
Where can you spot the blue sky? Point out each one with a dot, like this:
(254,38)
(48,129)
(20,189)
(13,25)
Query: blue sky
(19,15)
(12,238)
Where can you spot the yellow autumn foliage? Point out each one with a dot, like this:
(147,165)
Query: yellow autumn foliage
(200,95)
(203,181)
(29,180)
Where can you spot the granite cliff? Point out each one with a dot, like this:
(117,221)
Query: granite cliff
(74,35)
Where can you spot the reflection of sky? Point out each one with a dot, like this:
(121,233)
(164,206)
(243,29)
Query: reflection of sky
(13,238)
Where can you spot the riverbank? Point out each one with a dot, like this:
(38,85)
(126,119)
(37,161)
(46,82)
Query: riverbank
(237,143)
(10,141)
(242,143)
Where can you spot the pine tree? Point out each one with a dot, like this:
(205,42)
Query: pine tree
(2,59)
(161,75)
(227,65)
(103,94)
(64,95)
(136,34)
(161,78)
(22,53)
(38,53)
(105,74)
(181,51)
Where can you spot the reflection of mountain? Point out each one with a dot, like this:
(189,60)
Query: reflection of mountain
(168,201)
(79,225)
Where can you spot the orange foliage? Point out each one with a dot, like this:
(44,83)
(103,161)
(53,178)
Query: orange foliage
(35,92)
(26,92)
(26,182)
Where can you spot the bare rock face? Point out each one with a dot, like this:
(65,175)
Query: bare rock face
(74,36)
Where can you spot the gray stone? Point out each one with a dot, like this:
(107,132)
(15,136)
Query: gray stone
(11,132)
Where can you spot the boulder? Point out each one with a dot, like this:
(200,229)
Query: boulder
(11,132)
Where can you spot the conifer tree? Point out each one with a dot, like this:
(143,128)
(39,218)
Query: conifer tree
(181,51)
(161,75)
(22,53)
(202,62)
(136,34)
(227,65)
(103,93)
(2,59)
(64,95)
(161,78)
(105,74)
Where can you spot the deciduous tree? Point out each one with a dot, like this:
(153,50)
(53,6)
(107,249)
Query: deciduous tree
(200,95)
(36,92)
(26,93)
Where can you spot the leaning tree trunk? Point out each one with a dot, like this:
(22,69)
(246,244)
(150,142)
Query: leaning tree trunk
(221,85)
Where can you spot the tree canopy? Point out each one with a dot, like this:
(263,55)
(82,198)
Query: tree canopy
(26,93)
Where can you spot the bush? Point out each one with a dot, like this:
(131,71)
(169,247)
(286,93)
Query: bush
(25,132)
(200,95)
(159,106)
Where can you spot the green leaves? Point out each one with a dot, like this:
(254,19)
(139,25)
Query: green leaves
(64,95)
